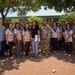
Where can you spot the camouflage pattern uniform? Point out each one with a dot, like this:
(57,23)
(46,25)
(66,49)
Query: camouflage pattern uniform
(73,27)
(45,31)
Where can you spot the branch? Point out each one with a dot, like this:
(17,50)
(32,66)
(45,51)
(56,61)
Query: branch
(2,9)
(7,11)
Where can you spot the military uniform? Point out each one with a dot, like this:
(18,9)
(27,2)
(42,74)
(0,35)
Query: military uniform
(45,31)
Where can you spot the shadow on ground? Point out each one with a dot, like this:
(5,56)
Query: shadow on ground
(7,64)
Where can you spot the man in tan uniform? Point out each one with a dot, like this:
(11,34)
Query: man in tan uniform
(45,31)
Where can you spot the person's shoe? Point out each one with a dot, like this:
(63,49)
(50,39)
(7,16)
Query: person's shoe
(64,51)
(69,55)
(19,56)
(65,54)
(36,56)
(33,55)
(27,56)
(11,57)
(54,51)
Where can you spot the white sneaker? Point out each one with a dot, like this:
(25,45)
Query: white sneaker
(12,57)
(64,51)
(69,55)
(54,51)
(65,54)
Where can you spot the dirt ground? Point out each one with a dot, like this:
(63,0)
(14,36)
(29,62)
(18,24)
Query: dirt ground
(42,65)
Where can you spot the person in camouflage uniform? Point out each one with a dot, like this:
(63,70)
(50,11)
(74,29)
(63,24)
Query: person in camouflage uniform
(45,32)
(73,27)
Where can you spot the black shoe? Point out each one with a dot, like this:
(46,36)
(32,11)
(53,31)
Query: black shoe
(19,56)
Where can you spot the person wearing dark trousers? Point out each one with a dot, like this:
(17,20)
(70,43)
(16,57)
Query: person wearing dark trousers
(60,36)
(63,39)
(10,46)
(68,40)
(26,38)
(10,38)
(27,46)
(68,48)
(18,36)
(2,39)
(54,38)
(54,44)
(2,48)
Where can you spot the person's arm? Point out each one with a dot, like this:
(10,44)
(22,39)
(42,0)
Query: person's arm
(58,32)
(70,35)
(23,37)
(64,35)
(31,34)
(38,33)
(6,36)
(49,32)
(15,31)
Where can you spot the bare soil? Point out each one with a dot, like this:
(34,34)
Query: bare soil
(42,65)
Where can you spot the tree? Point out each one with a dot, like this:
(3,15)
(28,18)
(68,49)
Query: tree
(67,17)
(59,5)
(21,6)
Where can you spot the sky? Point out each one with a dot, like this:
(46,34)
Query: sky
(41,12)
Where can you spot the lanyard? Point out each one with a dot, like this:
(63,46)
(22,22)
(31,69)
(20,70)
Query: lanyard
(68,30)
(12,31)
(19,30)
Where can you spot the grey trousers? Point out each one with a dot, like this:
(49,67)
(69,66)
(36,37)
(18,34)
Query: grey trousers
(34,47)
(18,48)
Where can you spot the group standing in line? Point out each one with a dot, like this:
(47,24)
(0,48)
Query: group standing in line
(54,35)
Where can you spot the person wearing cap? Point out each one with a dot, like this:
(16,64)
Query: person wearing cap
(2,39)
(45,31)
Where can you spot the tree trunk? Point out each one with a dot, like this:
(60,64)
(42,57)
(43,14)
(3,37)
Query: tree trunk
(3,19)
(2,14)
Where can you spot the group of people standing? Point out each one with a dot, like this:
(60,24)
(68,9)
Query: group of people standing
(49,35)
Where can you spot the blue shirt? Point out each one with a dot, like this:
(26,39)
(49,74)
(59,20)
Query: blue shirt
(2,33)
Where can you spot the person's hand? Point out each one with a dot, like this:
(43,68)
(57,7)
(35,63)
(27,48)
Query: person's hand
(18,41)
(31,39)
(58,39)
(0,41)
(7,42)
(47,38)
(24,43)
(66,39)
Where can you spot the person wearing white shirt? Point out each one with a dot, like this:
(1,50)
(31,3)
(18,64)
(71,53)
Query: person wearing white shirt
(54,38)
(26,38)
(68,40)
(10,38)
(18,35)
(63,37)
(60,36)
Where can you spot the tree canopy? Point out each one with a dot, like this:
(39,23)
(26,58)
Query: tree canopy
(59,5)
(23,6)
(67,17)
